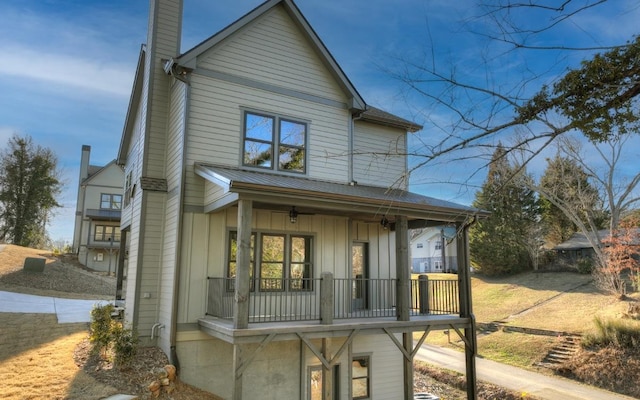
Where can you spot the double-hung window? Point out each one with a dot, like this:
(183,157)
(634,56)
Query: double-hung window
(274,142)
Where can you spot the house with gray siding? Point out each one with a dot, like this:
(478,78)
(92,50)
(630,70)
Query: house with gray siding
(265,240)
(433,250)
(96,234)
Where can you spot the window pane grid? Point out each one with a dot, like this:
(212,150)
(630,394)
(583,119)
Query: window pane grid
(281,257)
(272,142)
(105,233)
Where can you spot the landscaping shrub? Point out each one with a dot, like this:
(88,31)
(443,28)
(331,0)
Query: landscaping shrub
(110,336)
(100,329)
(616,332)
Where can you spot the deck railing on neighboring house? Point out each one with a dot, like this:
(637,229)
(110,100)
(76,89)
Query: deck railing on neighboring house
(281,300)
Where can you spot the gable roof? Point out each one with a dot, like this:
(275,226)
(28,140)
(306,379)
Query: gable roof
(579,241)
(95,170)
(347,198)
(378,116)
(188,59)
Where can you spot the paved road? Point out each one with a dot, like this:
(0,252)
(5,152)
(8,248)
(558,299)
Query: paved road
(517,379)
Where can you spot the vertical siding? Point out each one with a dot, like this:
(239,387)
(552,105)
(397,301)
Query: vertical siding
(273,50)
(379,155)
(193,267)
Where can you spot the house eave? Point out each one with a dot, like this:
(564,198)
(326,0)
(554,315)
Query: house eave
(189,58)
(134,100)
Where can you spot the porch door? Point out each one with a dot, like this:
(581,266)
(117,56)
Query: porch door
(359,275)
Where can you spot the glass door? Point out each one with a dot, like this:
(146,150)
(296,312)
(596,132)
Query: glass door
(359,276)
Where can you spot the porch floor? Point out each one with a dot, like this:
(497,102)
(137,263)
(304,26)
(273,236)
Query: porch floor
(223,328)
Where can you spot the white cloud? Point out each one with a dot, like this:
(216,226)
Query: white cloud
(67,70)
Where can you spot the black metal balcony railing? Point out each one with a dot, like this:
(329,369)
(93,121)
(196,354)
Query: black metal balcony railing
(281,300)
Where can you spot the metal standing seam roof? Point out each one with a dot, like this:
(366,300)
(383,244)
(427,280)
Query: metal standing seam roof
(243,179)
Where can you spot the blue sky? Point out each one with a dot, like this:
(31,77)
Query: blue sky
(68,66)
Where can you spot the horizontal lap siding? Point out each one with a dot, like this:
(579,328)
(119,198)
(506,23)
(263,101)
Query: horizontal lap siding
(274,50)
(215,129)
(152,243)
(380,155)
(176,136)
(170,215)
(386,365)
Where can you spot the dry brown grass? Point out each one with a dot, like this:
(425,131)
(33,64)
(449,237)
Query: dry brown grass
(36,360)
(38,355)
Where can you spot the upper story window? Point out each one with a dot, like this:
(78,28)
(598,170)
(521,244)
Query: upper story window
(110,201)
(439,245)
(419,245)
(274,142)
(129,187)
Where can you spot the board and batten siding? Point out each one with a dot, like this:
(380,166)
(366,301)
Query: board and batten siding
(273,50)
(379,155)
(205,247)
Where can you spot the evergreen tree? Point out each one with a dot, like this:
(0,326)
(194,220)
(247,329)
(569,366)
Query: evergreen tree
(28,187)
(498,243)
(566,182)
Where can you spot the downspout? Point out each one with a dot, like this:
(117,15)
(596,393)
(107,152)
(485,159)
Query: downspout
(176,279)
(351,149)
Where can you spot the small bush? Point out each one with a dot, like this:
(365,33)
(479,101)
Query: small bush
(109,336)
(584,265)
(100,329)
(615,332)
(125,344)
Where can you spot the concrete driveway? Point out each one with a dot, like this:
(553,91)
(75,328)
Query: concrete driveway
(517,379)
(66,310)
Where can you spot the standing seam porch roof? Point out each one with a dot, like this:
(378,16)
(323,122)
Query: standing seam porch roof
(237,180)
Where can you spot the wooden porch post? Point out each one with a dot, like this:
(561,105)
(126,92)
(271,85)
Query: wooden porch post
(466,310)
(403,300)
(243,265)
(241,295)
(403,294)
(327,372)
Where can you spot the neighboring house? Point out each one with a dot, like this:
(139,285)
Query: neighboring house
(266,240)
(96,235)
(579,247)
(434,249)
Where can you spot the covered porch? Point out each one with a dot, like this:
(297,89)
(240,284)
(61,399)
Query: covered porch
(332,301)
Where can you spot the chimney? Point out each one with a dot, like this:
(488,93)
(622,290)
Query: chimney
(163,43)
(165,29)
(84,163)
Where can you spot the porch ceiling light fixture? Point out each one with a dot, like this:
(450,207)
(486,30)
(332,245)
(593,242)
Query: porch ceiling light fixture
(385,223)
(293,215)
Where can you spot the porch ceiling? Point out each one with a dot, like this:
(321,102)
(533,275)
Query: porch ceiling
(281,192)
